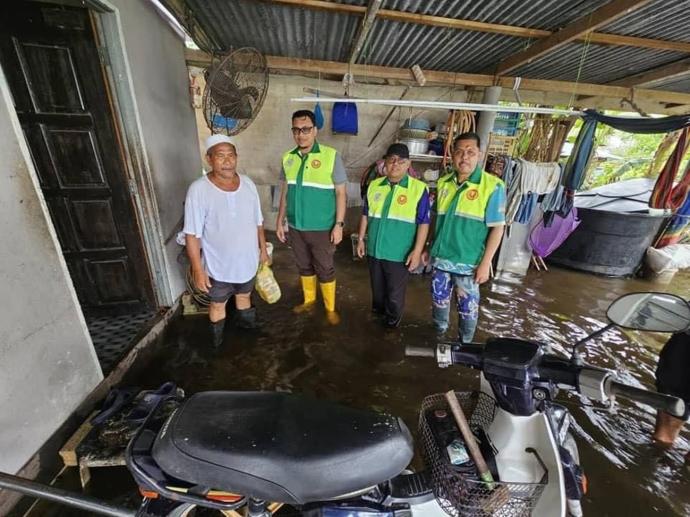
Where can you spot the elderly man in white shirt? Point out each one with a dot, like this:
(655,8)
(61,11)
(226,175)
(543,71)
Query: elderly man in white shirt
(224,235)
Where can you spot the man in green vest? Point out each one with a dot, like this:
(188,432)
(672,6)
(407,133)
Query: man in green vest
(395,220)
(469,213)
(313,198)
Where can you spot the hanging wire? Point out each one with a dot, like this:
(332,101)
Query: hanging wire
(586,44)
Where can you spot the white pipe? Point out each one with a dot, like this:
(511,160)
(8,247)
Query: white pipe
(469,106)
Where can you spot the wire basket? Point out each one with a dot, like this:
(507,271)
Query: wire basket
(458,493)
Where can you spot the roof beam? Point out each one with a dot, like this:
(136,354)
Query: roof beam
(436,78)
(492,28)
(364,29)
(602,16)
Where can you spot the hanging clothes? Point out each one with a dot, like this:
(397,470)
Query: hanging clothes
(583,150)
(644,125)
(677,227)
(665,195)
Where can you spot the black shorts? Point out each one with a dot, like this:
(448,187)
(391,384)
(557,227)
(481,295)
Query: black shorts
(221,291)
(673,370)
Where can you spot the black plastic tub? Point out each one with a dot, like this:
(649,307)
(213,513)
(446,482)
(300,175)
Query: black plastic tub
(608,243)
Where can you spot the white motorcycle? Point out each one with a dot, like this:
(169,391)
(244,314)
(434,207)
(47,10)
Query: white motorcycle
(505,450)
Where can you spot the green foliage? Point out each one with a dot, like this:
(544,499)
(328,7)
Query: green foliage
(636,153)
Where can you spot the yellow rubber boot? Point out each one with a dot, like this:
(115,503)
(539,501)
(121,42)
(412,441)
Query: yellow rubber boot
(309,290)
(328,293)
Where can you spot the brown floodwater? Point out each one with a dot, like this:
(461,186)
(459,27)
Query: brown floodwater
(362,364)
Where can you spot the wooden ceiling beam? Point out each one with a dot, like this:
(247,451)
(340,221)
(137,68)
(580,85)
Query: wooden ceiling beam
(436,78)
(491,28)
(604,15)
(364,29)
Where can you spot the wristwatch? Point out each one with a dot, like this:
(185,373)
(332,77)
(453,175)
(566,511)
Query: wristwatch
(340,223)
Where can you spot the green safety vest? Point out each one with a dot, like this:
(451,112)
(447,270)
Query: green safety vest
(392,214)
(311,192)
(460,233)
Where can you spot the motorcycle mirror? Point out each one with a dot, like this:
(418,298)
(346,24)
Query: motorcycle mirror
(654,312)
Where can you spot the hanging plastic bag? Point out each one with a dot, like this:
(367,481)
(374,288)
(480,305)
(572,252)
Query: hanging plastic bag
(266,284)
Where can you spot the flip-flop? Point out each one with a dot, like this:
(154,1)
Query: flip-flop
(117,398)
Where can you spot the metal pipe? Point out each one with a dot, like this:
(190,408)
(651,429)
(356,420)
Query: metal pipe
(486,120)
(469,106)
(58,495)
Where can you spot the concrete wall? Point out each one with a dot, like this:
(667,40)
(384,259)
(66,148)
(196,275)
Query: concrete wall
(261,145)
(159,78)
(47,363)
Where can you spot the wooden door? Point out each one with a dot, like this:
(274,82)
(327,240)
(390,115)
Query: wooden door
(49,56)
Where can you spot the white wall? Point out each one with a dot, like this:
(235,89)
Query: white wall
(47,363)
(262,144)
(159,79)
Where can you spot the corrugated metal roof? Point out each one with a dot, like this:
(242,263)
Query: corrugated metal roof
(681,84)
(535,14)
(596,63)
(316,34)
(435,48)
(277,29)
(662,19)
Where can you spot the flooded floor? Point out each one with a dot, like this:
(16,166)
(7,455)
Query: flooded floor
(361,364)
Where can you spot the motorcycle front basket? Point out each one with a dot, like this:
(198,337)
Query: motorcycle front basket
(458,493)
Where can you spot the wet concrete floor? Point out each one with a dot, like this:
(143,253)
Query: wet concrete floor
(362,364)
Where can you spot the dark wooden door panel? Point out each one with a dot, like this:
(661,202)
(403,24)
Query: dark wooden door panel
(52,64)
(94,225)
(113,279)
(74,157)
(50,77)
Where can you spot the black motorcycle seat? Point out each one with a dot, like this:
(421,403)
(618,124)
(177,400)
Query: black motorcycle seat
(280,447)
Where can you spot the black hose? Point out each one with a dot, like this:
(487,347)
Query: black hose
(58,495)
(672,405)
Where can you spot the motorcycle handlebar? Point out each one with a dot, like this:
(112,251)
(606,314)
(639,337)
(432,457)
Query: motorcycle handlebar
(667,403)
(419,351)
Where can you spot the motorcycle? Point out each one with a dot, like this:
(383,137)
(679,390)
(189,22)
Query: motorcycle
(254,452)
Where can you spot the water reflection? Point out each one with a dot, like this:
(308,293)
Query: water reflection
(361,364)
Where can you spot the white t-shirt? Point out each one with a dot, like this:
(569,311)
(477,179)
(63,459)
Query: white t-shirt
(226,223)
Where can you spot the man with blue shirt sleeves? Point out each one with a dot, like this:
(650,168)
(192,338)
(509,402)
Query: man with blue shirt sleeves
(469,221)
(395,220)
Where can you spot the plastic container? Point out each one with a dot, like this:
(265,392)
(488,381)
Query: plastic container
(608,243)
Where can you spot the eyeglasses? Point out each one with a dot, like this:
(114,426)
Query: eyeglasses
(465,152)
(395,160)
(304,130)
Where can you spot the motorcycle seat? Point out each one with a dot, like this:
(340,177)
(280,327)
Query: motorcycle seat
(280,447)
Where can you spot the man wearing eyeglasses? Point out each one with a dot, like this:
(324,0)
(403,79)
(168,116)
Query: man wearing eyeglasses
(469,215)
(395,220)
(313,198)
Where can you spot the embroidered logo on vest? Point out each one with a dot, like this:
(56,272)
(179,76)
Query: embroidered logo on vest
(316,164)
(472,194)
(402,199)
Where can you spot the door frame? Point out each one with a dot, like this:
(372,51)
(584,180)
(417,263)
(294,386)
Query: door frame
(109,37)
(107,27)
